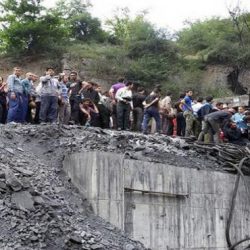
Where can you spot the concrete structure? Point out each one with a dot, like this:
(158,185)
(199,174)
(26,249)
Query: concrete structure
(165,207)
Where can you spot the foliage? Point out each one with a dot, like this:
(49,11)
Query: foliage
(26,31)
(132,47)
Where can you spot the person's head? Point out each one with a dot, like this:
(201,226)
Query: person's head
(17,71)
(231,111)
(34,78)
(93,85)
(232,125)
(121,79)
(189,92)
(129,85)
(156,91)
(224,106)
(50,71)
(241,109)
(86,102)
(141,90)
(200,99)
(29,76)
(73,76)
(209,99)
(85,85)
(98,88)
(182,95)
(219,105)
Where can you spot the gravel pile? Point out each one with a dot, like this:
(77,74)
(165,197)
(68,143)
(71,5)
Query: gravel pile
(40,208)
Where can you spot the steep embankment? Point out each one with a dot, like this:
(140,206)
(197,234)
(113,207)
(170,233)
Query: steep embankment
(40,209)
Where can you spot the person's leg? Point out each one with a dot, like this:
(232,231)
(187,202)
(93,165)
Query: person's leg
(156,116)
(36,119)
(67,113)
(197,127)
(164,123)
(61,111)
(215,130)
(1,112)
(146,118)
(24,107)
(44,107)
(119,109)
(5,112)
(126,114)
(13,109)
(53,109)
(139,119)
(189,123)
(170,127)
(114,115)
(135,118)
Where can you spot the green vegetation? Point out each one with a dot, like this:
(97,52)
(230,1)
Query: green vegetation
(132,47)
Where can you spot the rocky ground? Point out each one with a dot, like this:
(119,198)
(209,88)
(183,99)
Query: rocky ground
(39,207)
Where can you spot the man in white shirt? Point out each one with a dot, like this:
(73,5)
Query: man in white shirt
(124,105)
(197,122)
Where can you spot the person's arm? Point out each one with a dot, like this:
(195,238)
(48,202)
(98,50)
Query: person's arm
(85,111)
(151,103)
(95,109)
(10,82)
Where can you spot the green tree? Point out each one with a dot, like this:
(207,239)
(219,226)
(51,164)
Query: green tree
(26,30)
(78,21)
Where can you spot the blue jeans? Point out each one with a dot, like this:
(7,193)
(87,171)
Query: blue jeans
(16,109)
(151,112)
(48,109)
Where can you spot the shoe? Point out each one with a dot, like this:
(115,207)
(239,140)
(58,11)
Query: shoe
(119,129)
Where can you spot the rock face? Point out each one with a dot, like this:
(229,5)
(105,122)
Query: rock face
(217,77)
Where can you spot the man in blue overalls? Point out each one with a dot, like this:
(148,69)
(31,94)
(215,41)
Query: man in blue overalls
(15,95)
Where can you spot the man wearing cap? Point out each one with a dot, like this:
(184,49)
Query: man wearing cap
(49,97)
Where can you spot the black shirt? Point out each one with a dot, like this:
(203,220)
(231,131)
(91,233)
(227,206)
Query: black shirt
(138,99)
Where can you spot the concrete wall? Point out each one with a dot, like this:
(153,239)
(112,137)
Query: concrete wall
(161,220)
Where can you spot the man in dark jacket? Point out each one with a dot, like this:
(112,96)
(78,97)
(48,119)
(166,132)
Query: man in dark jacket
(213,122)
(138,98)
(151,110)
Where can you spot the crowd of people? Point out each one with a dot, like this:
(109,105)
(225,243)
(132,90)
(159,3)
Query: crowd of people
(66,99)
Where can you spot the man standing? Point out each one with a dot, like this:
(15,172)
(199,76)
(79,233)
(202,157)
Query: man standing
(49,97)
(188,113)
(124,105)
(15,95)
(27,85)
(166,114)
(74,86)
(112,92)
(64,106)
(138,99)
(3,100)
(151,106)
